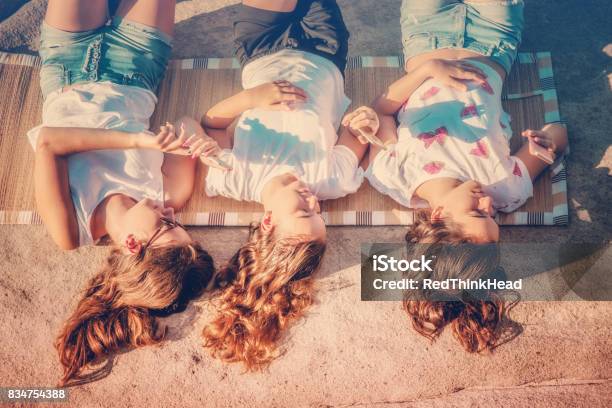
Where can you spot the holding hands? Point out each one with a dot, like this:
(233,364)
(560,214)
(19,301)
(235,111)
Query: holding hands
(363,123)
(545,145)
(191,140)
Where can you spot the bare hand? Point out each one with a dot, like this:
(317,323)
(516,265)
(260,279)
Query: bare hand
(363,123)
(455,73)
(277,95)
(198,144)
(166,140)
(542,138)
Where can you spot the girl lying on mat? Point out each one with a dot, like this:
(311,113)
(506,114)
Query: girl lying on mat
(99,173)
(449,149)
(279,137)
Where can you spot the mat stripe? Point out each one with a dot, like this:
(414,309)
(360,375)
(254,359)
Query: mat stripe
(19,59)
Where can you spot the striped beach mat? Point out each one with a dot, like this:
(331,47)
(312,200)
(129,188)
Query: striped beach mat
(191,86)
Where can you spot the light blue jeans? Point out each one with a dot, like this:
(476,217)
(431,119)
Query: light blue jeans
(491,28)
(122,52)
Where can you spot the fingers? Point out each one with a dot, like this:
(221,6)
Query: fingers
(162,135)
(457,84)
(467,67)
(358,115)
(190,140)
(547,143)
(364,123)
(166,136)
(201,146)
(346,120)
(285,97)
(289,92)
(176,142)
(468,75)
(280,106)
(542,138)
(534,133)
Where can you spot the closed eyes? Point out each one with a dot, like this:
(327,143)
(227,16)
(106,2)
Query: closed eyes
(478,214)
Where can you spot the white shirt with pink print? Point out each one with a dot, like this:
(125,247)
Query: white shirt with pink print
(444,132)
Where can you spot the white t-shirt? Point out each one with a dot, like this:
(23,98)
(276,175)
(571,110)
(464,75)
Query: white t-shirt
(444,132)
(95,175)
(302,141)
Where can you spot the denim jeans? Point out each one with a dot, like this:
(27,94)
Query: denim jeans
(122,52)
(491,28)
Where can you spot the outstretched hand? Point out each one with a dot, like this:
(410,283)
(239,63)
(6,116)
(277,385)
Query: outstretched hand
(196,144)
(166,140)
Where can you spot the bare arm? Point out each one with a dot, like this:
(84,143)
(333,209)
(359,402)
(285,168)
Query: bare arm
(53,200)
(52,189)
(387,133)
(452,73)
(63,141)
(223,113)
(399,91)
(51,183)
(346,138)
(363,119)
(271,95)
(552,137)
(179,170)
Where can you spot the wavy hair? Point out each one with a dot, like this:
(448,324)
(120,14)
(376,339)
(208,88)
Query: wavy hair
(266,286)
(477,319)
(119,307)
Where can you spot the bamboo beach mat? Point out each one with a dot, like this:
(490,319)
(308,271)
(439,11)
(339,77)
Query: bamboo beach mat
(191,86)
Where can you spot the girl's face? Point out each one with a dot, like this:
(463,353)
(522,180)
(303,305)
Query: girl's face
(144,219)
(294,210)
(472,210)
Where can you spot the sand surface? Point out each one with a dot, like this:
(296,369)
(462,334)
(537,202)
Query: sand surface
(346,352)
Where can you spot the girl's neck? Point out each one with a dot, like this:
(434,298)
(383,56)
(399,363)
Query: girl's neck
(106,219)
(433,191)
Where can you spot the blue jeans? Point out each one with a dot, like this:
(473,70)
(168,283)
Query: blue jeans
(122,52)
(491,28)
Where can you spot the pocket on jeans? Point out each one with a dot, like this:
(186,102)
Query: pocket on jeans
(417,42)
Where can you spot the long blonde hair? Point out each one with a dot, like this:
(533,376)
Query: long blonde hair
(266,286)
(119,306)
(477,322)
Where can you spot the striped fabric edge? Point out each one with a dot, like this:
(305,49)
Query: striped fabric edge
(8,58)
(19,218)
(560,213)
(393,61)
(344,218)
